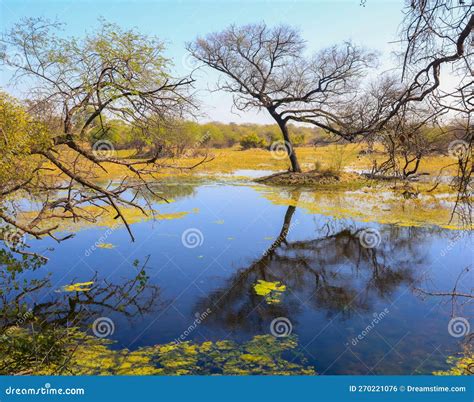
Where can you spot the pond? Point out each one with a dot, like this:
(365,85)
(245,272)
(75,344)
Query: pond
(224,262)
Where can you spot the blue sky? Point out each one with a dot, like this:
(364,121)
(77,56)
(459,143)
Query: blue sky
(322,23)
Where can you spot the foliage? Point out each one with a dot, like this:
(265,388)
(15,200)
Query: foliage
(69,351)
(19,135)
(462,364)
(17,356)
(182,134)
(104,85)
(252,141)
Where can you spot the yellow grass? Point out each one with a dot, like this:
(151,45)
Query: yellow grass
(93,216)
(228,160)
(353,196)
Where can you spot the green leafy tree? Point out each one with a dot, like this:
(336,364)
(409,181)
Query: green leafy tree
(252,141)
(80,83)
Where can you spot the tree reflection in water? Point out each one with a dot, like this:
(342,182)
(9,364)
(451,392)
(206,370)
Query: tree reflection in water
(130,298)
(49,338)
(332,273)
(39,334)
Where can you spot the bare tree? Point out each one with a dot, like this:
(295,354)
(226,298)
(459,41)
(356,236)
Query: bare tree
(406,138)
(436,34)
(73,85)
(266,68)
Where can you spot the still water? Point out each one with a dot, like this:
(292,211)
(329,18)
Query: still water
(353,309)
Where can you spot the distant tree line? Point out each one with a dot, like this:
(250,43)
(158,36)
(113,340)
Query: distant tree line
(177,137)
(412,139)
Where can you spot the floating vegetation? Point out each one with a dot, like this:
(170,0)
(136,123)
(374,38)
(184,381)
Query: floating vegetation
(71,352)
(371,204)
(175,215)
(272,291)
(78,287)
(462,364)
(105,245)
(105,217)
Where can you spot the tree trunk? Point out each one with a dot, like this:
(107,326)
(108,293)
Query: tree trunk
(295,165)
(283,234)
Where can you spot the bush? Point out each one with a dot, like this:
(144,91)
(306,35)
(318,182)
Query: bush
(252,141)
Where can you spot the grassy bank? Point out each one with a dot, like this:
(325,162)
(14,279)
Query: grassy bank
(335,158)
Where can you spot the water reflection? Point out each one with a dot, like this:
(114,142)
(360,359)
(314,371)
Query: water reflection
(332,285)
(36,302)
(61,347)
(334,273)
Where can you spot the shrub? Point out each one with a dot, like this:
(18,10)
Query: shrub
(252,141)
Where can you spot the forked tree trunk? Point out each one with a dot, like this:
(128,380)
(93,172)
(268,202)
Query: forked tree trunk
(295,165)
